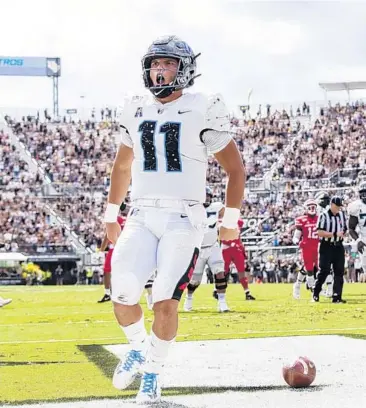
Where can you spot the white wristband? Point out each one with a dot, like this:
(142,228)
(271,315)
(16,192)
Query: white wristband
(230,218)
(111,213)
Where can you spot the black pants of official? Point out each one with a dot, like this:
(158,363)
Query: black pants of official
(330,255)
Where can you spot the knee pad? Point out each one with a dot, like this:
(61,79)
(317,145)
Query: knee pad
(220,283)
(126,288)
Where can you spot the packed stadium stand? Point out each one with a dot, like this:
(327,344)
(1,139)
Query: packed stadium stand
(54,176)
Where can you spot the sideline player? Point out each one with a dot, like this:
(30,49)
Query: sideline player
(165,143)
(233,252)
(306,234)
(107,262)
(357,217)
(211,256)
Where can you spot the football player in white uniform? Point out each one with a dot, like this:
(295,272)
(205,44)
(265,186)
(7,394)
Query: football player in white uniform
(357,217)
(165,143)
(210,255)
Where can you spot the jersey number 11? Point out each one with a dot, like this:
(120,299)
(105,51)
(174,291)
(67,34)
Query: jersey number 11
(171,132)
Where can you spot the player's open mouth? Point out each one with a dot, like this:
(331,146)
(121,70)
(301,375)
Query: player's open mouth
(160,79)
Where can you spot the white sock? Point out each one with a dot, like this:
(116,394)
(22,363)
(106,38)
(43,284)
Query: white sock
(310,280)
(107,292)
(136,335)
(189,295)
(221,296)
(157,354)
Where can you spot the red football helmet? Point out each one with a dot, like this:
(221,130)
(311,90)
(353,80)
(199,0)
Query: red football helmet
(311,207)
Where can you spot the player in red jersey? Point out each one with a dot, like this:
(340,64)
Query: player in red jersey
(107,262)
(233,251)
(306,236)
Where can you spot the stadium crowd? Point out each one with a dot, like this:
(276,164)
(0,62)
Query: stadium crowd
(335,142)
(81,154)
(24,221)
(14,172)
(77,153)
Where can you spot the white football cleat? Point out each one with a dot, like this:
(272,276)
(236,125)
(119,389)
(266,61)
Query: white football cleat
(222,306)
(296,290)
(4,302)
(128,369)
(150,389)
(149,301)
(188,304)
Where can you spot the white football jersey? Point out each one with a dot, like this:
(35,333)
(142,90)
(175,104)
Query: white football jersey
(358,209)
(169,145)
(212,211)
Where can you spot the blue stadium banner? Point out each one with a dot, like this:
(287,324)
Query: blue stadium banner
(30,66)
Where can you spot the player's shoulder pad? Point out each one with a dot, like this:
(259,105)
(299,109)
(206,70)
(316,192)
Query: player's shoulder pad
(134,102)
(217,115)
(197,100)
(354,208)
(133,108)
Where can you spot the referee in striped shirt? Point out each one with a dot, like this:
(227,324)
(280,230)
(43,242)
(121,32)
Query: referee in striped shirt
(332,225)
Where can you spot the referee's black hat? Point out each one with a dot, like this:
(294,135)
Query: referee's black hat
(337,201)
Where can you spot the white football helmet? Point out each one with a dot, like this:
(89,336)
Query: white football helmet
(311,207)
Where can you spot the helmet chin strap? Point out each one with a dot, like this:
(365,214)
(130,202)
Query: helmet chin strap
(162,93)
(165,90)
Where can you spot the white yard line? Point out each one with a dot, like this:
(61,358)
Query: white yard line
(41,314)
(50,289)
(185,336)
(58,323)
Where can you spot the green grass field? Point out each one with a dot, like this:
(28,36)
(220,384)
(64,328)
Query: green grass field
(51,337)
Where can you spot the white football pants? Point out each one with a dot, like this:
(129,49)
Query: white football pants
(159,239)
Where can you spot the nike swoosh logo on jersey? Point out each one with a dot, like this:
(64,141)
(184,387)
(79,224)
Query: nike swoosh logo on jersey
(183,216)
(186,111)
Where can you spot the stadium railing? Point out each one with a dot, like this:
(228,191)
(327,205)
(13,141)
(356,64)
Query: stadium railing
(280,252)
(45,249)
